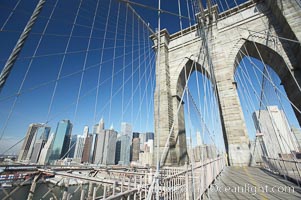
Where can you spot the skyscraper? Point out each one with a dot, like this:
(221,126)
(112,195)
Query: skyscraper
(30,150)
(46,151)
(38,146)
(126,129)
(136,135)
(86,131)
(149,136)
(86,157)
(199,140)
(61,141)
(106,147)
(79,147)
(98,141)
(126,136)
(135,147)
(72,146)
(34,132)
(110,148)
(99,147)
(77,144)
(125,150)
(142,137)
(93,143)
(41,139)
(146,148)
(118,149)
(101,125)
(27,141)
(274,127)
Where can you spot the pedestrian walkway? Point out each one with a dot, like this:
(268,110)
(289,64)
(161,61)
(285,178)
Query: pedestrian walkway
(252,183)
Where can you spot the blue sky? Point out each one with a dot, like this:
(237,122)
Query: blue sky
(135,92)
(84,54)
(246,73)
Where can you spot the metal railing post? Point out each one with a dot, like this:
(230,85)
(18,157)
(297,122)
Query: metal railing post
(33,187)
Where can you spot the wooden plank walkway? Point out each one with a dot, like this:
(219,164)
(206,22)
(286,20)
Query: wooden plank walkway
(252,183)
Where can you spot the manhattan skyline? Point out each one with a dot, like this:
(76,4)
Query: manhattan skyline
(80,94)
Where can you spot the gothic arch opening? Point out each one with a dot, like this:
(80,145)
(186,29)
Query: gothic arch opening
(289,79)
(270,100)
(198,117)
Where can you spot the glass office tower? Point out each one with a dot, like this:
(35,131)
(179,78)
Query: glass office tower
(61,141)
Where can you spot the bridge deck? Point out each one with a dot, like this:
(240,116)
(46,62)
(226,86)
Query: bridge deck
(252,183)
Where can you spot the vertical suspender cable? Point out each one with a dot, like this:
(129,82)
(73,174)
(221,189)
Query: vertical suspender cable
(113,65)
(85,61)
(101,60)
(156,180)
(144,53)
(188,13)
(62,62)
(124,55)
(133,94)
(139,70)
(33,17)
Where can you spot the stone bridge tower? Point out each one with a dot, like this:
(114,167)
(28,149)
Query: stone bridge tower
(271,27)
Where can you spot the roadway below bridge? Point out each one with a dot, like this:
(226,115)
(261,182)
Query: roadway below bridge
(252,183)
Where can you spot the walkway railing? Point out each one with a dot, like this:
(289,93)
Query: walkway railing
(186,182)
(290,169)
(190,181)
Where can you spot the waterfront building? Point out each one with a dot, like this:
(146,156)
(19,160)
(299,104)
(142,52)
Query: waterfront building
(118,149)
(203,152)
(125,150)
(150,146)
(145,156)
(125,140)
(149,136)
(99,147)
(142,138)
(274,127)
(61,141)
(36,131)
(97,141)
(72,146)
(37,148)
(46,151)
(86,157)
(101,125)
(79,147)
(136,135)
(146,149)
(126,129)
(77,144)
(86,131)
(109,152)
(105,147)
(199,140)
(135,148)
(93,140)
